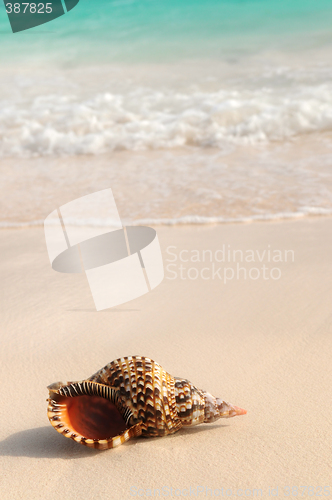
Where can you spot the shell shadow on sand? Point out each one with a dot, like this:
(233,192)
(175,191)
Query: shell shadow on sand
(43,442)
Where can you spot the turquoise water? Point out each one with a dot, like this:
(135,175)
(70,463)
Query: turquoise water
(154,30)
(204,109)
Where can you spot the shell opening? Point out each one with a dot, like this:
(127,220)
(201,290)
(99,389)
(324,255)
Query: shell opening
(91,416)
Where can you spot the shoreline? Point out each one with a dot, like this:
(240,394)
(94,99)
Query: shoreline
(196,221)
(281,180)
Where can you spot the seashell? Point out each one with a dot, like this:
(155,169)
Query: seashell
(130,397)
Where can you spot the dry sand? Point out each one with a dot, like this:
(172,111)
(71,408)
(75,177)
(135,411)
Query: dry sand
(263,344)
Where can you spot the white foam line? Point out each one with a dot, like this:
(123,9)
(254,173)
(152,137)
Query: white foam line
(146,119)
(193,219)
(8,224)
(187,219)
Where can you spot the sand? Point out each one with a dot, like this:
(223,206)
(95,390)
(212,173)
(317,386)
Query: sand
(263,344)
(229,183)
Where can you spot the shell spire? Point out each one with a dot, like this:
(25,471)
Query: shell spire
(129,397)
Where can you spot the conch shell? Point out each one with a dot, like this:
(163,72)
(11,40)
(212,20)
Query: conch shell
(127,398)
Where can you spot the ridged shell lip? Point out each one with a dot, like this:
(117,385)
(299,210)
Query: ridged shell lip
(90,420)
(56,386)
(91,416)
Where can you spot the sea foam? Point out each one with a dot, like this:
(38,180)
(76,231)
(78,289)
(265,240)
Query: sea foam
(51,125)
(185,220)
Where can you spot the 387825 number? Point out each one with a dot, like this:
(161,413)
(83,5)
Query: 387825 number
(33,8)
(308,491)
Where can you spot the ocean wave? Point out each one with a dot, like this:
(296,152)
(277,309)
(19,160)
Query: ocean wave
(150,119)
(184,220)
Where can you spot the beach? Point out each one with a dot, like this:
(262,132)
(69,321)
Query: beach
(211,122)
(262,343)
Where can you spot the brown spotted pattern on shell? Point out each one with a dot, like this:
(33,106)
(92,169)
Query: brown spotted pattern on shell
(129,397)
